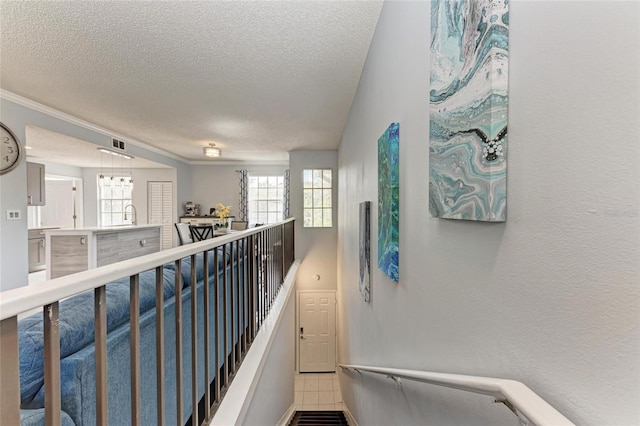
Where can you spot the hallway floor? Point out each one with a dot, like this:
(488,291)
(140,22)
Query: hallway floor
(317,392)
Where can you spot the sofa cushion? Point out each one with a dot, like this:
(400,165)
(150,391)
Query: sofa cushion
(78,369)
(77,325)
(36,418)
(185,264)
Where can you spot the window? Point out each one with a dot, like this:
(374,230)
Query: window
(112,199)
(266,194)
(317,198)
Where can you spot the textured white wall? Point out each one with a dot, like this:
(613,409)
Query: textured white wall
(315,247)
(13,196)
(550,298)
(274,393)
(220,184)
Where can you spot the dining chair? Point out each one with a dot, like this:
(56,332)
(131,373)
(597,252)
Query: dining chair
(239,225)
(184,233)
(201,232)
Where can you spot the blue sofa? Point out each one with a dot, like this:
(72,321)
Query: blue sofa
(77,350)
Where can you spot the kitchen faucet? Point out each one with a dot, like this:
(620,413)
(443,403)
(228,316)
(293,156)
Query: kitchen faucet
(134,217)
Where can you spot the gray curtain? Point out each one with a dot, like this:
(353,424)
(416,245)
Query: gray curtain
(285,201)
(243,208)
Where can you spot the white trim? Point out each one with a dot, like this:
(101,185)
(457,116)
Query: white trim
(234,406)
(258,173)
(350,419)
(528,406)
(239,163)
(28,103)
(287,416)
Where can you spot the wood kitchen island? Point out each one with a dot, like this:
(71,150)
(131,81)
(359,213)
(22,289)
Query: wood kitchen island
(74,250)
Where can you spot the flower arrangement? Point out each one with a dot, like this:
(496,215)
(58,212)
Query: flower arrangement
(222,212)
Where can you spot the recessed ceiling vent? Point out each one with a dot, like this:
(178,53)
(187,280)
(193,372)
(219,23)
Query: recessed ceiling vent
(116,144)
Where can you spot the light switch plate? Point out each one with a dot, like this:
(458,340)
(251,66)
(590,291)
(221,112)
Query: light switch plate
(13,215)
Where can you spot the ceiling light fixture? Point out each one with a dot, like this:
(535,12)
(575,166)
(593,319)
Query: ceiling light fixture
(211,150)
(117,154)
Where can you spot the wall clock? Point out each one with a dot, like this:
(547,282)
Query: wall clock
(11,150)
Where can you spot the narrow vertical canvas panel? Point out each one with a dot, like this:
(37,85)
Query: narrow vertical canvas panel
(389,201)
(365,249)
(468,109)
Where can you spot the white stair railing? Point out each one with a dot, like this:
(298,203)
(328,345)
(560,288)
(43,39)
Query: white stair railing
(530,408)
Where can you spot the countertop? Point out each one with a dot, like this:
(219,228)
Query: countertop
(204,217)
(99,229)
(43,228)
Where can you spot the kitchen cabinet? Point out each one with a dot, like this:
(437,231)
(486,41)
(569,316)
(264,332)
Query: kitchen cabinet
(73,250)
(36,246)
(35,184)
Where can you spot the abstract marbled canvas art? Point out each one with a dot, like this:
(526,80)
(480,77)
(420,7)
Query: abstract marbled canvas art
(365,249)
(468,110)
(389,200)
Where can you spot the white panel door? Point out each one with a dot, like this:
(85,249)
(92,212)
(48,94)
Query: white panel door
(160,207)
(317,332)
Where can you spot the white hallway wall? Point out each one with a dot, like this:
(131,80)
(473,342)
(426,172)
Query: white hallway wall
(274,391)
(550,298)
(315,247)
(220,184)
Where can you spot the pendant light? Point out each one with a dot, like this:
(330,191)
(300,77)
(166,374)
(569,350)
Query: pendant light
(131,174)
(212,151)
(109,180)
(101,176)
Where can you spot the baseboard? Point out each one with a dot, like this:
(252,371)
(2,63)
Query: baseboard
(287,416)
(347,413)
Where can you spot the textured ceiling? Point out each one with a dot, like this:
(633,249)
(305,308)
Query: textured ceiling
(258,78)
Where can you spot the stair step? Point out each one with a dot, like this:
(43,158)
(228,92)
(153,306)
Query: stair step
(319,418)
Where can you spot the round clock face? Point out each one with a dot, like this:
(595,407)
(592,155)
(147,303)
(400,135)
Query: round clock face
(11,152)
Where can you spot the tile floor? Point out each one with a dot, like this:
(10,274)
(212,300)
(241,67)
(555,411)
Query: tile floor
(317,391)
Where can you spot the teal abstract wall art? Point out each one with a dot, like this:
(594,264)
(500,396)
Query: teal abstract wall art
(389,200)
(468,109)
